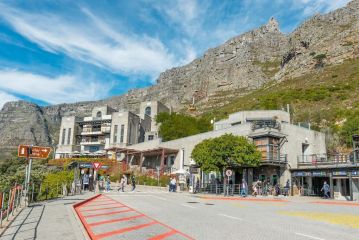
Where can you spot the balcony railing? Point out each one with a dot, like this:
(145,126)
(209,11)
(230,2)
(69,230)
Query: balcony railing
(282,159)
(327,159)
(98,142)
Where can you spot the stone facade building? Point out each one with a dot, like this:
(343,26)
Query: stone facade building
(107,129)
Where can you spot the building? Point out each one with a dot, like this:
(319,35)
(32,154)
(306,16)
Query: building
(279,141)
(107,129)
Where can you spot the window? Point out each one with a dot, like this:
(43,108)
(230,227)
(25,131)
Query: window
(69,136)
(115,132)
(122,133)
(63,136)
(98,114)
(148,111)
(150,137)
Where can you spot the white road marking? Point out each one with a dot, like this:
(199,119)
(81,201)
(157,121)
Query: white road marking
(189,206)
(224,215)
(161,198)
(308,236)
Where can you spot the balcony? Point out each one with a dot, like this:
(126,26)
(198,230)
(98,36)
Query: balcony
(275,160)
(327,160)
(92,143)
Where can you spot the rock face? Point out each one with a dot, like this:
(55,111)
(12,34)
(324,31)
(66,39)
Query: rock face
(240,65)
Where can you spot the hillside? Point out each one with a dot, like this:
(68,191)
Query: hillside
(262,68)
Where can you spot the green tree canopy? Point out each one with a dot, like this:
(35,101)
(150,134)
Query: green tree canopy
(350,127)
(175,125)
(226,151)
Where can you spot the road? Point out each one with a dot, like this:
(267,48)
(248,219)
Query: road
(207,218)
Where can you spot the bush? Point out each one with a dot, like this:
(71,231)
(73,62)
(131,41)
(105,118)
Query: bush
(51,187)
(152,180)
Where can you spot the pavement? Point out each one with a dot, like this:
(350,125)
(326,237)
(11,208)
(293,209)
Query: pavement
(152,213)
(53,219)
(215,217)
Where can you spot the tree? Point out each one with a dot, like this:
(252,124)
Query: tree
(350,127)
(226,151)
(175,125)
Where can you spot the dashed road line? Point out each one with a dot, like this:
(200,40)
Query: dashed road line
(186,205)
(232,217)
(309,236)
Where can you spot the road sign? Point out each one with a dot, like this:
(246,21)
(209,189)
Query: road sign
(96,165)
(33,152)
(229,173)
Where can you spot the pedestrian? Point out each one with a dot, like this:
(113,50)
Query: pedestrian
(326,189)
(133,182)
(244,187)
(108,183)
(85,181)
(286,188)
(197,186)
(170,185)
(187,182)
(122,184)
(255,189)
(173,183)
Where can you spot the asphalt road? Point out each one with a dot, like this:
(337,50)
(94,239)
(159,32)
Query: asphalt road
(208,219)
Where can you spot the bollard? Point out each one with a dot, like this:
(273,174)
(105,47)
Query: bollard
(32,193)
(8,206)
(1,207)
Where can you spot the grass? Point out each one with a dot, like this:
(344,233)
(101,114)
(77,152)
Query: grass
(324,97)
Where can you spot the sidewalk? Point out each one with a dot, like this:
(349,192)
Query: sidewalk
(53,219)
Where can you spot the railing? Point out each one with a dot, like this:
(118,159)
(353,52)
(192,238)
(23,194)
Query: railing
(328,159)
(282,159)
(236,189)
(10,202)
(15,198)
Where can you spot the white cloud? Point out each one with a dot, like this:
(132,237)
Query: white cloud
(5,97)
(93,41)
(61,89)
(310,7)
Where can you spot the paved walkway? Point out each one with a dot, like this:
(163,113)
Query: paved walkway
(54,219)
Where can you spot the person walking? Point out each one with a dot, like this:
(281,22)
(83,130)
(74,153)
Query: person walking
(326,189)
(173,183)
(133,182)
(255,189)
(122,184)
(244,188)
(108,183)
(286,188)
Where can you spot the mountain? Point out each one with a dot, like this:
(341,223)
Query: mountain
(264,58)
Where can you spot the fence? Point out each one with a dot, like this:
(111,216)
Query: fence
(15,198)
(235,189)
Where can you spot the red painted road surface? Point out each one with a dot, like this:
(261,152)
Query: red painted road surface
(106,218)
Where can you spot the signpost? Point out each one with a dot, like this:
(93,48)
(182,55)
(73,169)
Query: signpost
(96,166)
(29,152)
(229,173)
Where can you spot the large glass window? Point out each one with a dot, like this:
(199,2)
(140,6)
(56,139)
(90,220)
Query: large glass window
(63,136)
(148,111)
(115,132)
(122,133)
(98,114)
(269,147)
(69,136)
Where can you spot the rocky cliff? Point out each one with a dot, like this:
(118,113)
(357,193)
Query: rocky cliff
(240,65)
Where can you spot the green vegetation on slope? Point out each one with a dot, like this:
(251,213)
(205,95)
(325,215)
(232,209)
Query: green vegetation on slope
(178,125)
(328,98)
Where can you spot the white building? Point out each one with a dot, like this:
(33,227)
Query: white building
(279,141)
(107,129)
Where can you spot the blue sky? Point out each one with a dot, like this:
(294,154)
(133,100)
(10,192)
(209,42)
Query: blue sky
(66,51)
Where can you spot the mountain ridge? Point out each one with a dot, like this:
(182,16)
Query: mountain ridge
(235,68)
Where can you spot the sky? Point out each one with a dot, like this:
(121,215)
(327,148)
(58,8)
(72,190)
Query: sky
(67,51)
